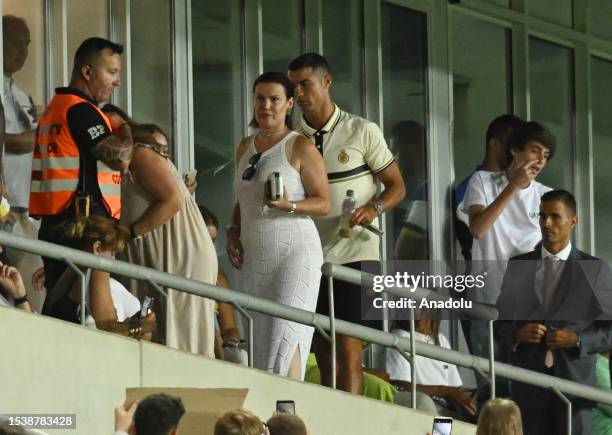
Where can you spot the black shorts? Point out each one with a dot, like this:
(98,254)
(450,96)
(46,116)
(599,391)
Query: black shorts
(347,299)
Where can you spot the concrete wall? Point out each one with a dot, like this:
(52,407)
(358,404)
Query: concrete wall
(53,367)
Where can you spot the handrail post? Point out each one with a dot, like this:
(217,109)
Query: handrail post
(568,405)
(78,271)
(250,319)
(413,384)
(491,360)
(164,295)
(332,327)
(412,359)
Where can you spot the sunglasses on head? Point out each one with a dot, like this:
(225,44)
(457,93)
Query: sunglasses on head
(250,171)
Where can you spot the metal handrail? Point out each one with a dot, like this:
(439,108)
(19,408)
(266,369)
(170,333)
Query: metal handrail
(478,310)
(302,316)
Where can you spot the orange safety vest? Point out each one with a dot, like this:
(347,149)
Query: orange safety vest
(56,163)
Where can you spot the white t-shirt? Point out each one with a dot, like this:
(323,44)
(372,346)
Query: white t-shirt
(516,230)
(354,151)
(126,304)
(428,371)
(17,167)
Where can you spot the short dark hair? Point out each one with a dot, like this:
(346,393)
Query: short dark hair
(281,79)
(563,196)
(286,424)
(91,48)
(310,60)
(209,217)
(158,414)
(502,127)
(8,19)
(528,132)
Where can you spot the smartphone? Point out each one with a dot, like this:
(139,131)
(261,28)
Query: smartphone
(146,306)
(190,176)
(442,426)
(285,406)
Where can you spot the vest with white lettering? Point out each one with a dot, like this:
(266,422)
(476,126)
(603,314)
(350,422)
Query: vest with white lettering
(55,164)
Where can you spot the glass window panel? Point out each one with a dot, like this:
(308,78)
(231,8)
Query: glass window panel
(345,54)
(555,11)
(31,77)
(481,89)
(151,58)
(85,25)
(551,79)
(600,14)
(282,22)
(404,67)
(601,71)
(504,3)
(218,86)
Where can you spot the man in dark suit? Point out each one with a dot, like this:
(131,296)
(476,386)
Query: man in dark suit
(555,311)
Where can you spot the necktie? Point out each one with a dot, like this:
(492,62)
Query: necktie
(550,285)
(318,136)
(550,280)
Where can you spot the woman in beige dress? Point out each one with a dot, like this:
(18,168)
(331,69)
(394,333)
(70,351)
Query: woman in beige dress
(170,235)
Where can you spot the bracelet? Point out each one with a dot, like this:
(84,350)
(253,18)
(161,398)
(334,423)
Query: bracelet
(21,300)
(133,234)
(232,226)
(293,208)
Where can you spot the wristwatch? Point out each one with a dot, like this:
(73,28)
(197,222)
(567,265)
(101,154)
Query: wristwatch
(578,342)
(379,208)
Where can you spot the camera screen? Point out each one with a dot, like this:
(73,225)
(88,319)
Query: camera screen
(442,428)
(285,407)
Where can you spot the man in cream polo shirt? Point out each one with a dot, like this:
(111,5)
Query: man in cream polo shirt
(356,156)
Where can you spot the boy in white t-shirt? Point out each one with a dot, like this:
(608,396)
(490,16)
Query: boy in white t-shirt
(503,209)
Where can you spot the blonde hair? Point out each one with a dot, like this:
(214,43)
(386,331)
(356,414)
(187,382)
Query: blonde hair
(86,231)
(500,417)
(239,422)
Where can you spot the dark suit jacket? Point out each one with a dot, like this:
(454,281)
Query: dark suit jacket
(582,302)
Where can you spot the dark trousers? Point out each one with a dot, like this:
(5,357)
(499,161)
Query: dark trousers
(52,230)
(546,413)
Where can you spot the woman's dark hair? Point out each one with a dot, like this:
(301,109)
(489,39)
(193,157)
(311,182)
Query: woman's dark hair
(281,79)
(209,217)
(143,133)
(111,108)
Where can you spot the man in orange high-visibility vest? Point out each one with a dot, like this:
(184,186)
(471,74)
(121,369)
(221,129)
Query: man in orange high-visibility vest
(80,151)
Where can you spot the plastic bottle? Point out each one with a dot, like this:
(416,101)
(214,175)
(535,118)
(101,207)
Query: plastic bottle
(348,208)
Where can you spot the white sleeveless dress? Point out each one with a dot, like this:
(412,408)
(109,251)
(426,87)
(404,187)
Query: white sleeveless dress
(282,258)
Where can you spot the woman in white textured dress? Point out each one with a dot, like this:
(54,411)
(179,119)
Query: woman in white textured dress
(275,243)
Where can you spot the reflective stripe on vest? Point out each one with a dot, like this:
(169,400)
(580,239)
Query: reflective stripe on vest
(56,166)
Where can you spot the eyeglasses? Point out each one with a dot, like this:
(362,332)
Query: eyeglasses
(250,171)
